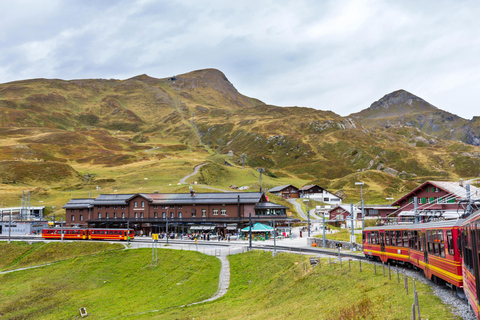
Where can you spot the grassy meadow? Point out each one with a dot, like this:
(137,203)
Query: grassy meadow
(110,284)
(119,284)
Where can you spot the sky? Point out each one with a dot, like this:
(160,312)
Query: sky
(328,55)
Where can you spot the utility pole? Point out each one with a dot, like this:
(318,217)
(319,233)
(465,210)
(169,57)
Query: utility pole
(324,229)
(274,253)
(415,206)
(308,216)
(352,215)
(61,228)
(243,160)
(9,226)
(220,146)
(250,229)
(166,227)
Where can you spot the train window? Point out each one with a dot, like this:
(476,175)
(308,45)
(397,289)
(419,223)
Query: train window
(419,241)
(435,242)
(387,238)
(399,238)
(377,237)
(430,240)
(115,233)
(102,232)
(369,237)
(405,239)
(111,232)
(392,238)
(441,244)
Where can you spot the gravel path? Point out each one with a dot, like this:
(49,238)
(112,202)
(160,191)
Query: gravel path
(195,171)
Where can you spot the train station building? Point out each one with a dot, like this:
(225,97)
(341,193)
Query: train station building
(221,213)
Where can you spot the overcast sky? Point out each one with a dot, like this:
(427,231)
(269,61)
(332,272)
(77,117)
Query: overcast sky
(329,55)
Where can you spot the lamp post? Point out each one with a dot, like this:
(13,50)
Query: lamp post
(361,199)
(324,229)
(308,216)
(53,207)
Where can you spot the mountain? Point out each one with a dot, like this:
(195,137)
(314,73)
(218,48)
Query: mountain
(401,108)
(119,134)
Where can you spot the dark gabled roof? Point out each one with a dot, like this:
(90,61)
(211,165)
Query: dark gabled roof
(205,198)
(79,204)
(269,205)
(280,188)
(112,199)
(310,186)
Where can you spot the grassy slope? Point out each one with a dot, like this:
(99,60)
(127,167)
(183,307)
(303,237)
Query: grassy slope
(110,285)
(82,130)
(263,287)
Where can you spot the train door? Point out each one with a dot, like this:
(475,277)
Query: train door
(382,245)
(475,236)
(425,248)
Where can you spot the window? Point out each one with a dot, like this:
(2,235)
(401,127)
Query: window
(135,204)
(180,207)
(143,204)
(204,212)
(141,215)
(215,212)
(392,238)
(441,244)
(163,215)
(172,206)
(223,212)
(194,212)
(123,215)
(123,207)
(106,215)
(114,215)
(164,206)
(115,207)
(451,200)
(81,217)
(107,207)
(99,215)
(405,239)
(387,238)
(155,215)
(155,207)
(450,243)
(99,207)
(73,210)
(136,215)
(435,242)
(73,217)
(399,238)
(180,215)
(432,199)
(430,241)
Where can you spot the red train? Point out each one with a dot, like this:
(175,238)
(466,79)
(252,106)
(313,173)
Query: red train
(90,234)
(446,251)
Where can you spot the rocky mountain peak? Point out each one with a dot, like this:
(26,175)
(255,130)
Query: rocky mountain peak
(400,98)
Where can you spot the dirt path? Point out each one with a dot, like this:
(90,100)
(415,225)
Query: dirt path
(195,171)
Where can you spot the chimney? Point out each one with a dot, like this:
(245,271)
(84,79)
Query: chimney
(192,193)
(460,183)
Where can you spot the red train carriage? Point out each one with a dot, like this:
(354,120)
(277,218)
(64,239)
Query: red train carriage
(84,234)
(68,233)
(110,234)
(431,247)
(470,243)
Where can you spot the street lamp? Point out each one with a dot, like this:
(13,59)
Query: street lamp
(308,216)
(361,198)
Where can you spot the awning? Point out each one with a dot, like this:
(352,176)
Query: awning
(258,227)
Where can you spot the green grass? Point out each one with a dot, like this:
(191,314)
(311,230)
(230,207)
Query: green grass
(263,287)
(342,235)
(110,285)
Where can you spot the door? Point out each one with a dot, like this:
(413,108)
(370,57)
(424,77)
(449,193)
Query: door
(382,245)
(474,237)
(425,252)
